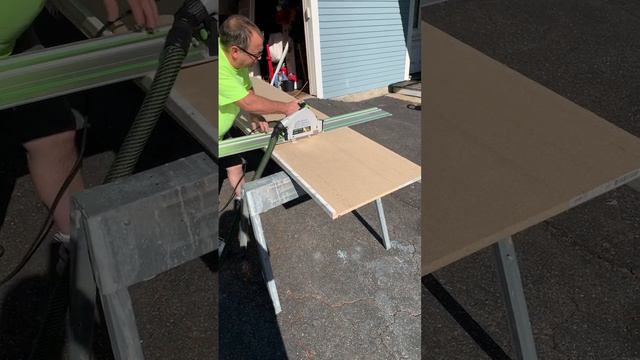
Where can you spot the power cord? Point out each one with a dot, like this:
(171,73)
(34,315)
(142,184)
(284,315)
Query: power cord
(46,226)
(233,193)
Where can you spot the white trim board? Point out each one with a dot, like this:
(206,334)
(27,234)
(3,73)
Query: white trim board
(312,38)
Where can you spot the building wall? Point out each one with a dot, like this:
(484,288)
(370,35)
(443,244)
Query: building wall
(362,44)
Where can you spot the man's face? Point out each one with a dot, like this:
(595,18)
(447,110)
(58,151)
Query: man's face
(249,56)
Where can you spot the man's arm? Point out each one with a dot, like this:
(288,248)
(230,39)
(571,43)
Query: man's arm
(253,103)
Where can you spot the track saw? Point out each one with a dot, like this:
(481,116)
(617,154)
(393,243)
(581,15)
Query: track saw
(301,124)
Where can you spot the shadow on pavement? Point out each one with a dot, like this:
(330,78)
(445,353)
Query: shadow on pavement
(248,327)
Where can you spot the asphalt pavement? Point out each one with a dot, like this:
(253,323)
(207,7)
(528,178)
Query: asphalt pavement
(343,295)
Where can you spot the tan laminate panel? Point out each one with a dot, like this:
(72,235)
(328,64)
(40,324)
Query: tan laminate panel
(502,152)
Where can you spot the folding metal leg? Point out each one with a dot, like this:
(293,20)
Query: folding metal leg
(383,224)
(82,297)
(244,228)
(513,294)
(267,271)
(260,196)
(121,322)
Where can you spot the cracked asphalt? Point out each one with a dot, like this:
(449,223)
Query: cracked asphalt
(581,269)
(343,295)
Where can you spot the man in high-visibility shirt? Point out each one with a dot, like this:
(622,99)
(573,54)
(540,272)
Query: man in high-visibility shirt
(240,47)
(46,129)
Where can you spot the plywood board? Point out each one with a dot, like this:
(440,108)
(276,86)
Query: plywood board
(344,170)
(503,153)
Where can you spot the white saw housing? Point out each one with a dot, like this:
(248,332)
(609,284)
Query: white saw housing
(300,124)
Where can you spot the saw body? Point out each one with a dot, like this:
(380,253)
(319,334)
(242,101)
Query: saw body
(301,124)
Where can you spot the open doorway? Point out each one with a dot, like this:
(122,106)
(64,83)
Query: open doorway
(283,26)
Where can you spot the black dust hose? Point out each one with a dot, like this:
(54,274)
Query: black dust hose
(278,131)
(187,21)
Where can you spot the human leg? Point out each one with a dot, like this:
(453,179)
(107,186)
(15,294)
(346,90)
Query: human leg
(51,159)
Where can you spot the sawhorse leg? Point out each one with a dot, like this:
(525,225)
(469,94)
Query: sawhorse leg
(82,297)
(267,271)
(121,322)
(513,294)
(244,231)
(383,224)
(82,309)
(260,196)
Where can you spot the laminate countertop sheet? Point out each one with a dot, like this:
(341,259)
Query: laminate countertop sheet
(503,153)
(341,170)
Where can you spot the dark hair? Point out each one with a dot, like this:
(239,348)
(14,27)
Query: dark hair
(236,30)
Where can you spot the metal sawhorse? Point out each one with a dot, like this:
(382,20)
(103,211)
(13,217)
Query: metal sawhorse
(265,194)
(511,285)
(129,231)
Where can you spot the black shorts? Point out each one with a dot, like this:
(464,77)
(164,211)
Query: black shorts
(229,161)
(39,119)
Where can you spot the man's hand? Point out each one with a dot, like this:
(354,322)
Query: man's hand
(259,123)
(290,107)
(145,12)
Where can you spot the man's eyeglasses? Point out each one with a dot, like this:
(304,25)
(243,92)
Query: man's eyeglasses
(255,57)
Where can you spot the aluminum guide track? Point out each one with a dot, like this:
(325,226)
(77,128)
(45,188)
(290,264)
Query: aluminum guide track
(258,141)
(83,65)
